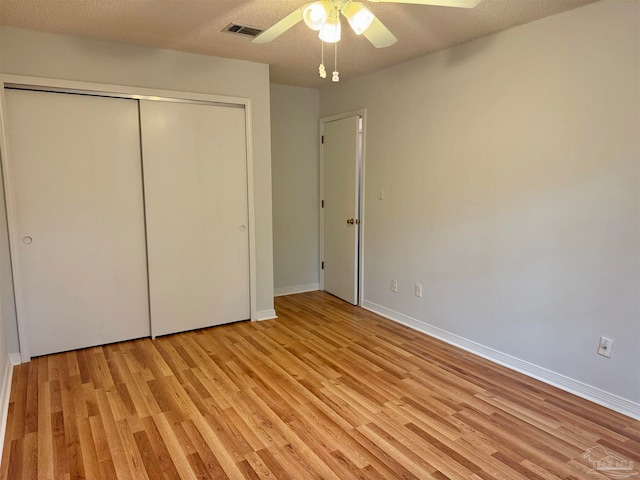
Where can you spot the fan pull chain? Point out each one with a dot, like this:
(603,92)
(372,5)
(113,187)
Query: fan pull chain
(336,75)
(321,69)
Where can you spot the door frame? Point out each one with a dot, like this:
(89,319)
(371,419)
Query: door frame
(117,91)
(362,113)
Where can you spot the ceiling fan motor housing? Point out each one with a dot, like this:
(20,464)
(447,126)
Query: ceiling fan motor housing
(324,16)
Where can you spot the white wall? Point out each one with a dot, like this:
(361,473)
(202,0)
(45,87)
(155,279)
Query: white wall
(7,301)
(294,157)
(6,315)
(73,58)
(6,374)
(511,176)
(7,318)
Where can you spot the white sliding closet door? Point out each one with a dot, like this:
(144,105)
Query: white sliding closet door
(75,167)
(195,181)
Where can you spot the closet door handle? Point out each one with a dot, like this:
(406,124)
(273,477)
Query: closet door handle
(27,240)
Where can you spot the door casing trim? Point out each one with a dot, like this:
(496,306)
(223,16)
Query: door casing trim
(362,113)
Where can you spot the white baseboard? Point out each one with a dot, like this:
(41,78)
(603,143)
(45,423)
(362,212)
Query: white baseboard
(308,287)
(5,392)
(266,315)
(588,392)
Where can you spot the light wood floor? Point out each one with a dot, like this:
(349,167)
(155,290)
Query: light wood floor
(326,391)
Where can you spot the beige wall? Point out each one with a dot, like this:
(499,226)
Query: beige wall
(294,156)
(73,58)
(511,176)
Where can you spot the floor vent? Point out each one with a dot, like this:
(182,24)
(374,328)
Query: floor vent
(243,30)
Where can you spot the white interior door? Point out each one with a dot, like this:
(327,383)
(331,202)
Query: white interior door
(195,178)
(75,164)
(340,213)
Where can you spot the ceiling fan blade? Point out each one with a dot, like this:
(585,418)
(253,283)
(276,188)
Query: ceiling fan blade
(280,27)
(379,35)
(439,3)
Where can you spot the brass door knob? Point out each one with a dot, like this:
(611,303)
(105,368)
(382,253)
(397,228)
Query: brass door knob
(351,221)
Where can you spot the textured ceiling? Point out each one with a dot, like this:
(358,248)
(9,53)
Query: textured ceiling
(195,26)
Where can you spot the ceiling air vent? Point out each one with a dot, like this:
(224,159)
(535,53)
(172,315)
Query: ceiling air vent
(243,30)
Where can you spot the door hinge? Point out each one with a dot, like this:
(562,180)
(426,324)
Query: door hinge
(322,204)
(322,265)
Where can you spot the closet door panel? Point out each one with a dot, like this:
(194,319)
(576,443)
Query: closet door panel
(75,163)
(195,180)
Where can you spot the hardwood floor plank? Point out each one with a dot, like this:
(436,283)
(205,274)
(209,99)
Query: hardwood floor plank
(132,455)
(151,464)
(383,460)
(260,468)
(176,451)
(31,405)
(12,457)
(45,432)
(262,424)
(326,391)
(111,436)
(71,413)
(60,462)
(326,451)
(336,437)
(240,428)
(159,449)
(88,448)
(225,453)
(274,466)
(389,442)
(210,463)
(29,457)
(105,458)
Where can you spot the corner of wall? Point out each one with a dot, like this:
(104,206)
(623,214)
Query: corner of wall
(5,393)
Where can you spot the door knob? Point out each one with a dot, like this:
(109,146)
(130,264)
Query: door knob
(351,221)
(27,240)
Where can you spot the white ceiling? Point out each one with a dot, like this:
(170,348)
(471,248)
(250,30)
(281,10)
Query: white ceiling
(195,26)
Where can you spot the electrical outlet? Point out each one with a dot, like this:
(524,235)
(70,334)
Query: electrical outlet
(418,290)
(394,286)
(605,347)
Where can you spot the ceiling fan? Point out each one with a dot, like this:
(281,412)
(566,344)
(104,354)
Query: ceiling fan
(324,17)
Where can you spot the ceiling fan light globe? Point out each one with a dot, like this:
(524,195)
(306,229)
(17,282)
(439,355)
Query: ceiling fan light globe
(331,31)
(316,14)
(359,17)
